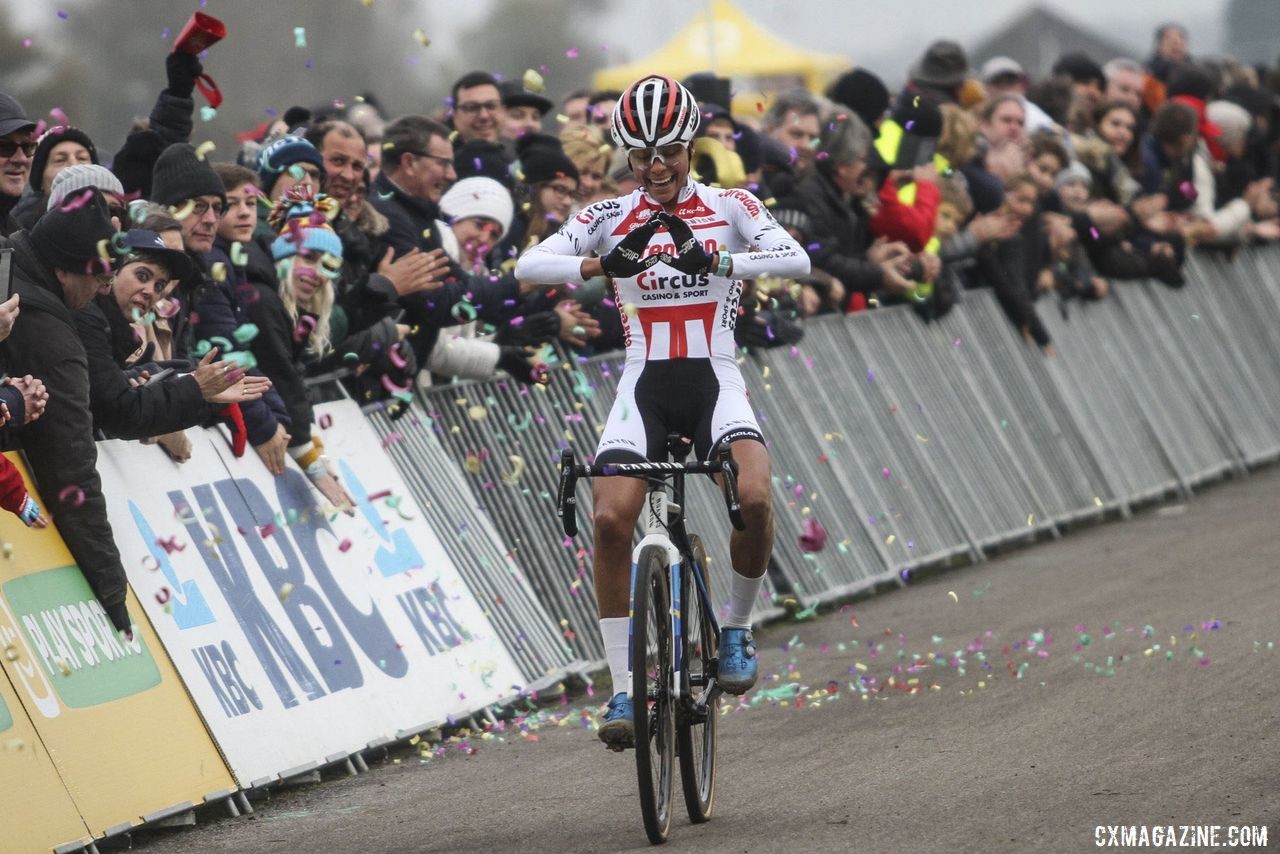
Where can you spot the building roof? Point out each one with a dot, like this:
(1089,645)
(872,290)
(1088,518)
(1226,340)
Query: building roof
(1037,37)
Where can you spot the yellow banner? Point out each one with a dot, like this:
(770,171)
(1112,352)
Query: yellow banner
(112,714)
(38,812)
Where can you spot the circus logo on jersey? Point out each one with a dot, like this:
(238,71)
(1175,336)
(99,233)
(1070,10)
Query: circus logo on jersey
(678,331)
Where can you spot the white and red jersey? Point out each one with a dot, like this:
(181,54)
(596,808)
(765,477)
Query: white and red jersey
(667,314)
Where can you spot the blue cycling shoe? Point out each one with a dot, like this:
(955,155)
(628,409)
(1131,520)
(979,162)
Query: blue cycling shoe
(618,731)
(738,667)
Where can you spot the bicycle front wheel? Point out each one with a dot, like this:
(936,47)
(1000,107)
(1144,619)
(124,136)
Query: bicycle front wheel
(651,675)
(696,728)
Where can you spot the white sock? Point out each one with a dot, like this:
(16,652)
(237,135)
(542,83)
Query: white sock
(742,597)
(614,632)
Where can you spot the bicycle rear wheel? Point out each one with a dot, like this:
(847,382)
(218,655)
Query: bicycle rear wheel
(651,675)
(696,726)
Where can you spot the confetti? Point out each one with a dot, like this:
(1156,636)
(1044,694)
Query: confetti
(284,591)
(420,37)
(533,81)
(73,495)
(954,597)
(299,36)
(517,463)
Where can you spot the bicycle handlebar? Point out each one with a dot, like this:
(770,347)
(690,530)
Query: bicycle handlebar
(567,503)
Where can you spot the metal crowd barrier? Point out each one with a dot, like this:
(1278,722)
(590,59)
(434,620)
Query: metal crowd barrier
(912,444)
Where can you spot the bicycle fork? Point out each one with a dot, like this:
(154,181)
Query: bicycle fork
(657,513)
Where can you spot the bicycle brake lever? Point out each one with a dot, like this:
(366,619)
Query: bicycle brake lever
(729,471)
(567,505)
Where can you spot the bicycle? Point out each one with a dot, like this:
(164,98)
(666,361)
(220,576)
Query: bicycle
(674,635)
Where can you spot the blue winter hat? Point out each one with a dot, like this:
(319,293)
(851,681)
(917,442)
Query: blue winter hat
(318,237)
(283,153)
(302,218)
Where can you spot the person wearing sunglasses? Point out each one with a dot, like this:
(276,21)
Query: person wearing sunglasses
(211,307)
(677,252)
(17,145)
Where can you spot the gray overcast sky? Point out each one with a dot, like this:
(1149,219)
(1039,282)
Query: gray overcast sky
(886,34)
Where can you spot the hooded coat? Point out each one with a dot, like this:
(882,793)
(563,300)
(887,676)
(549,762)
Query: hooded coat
(60,446)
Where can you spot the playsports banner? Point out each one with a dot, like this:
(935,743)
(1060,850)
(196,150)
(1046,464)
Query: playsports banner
(106,713)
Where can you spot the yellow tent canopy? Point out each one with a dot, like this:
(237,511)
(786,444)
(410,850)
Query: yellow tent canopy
(741,49)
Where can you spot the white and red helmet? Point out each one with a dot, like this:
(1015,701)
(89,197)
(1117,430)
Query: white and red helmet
(655,111)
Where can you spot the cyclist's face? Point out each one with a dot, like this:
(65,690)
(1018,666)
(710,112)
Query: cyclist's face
(662,177)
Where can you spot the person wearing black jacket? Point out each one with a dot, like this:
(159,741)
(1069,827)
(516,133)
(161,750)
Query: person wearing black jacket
(170,123)
(417,169)
(56,271)
(17,145)
(121,409)
(212,311)
(828,194)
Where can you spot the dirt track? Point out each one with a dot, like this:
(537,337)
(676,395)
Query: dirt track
(1112,731)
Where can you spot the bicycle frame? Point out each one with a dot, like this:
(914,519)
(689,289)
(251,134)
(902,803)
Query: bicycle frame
(664,527)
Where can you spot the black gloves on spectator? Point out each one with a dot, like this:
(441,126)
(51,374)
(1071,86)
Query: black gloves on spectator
(627,259)
(515,361)
(119,616)
(183,69)
(532,329)
(760,329)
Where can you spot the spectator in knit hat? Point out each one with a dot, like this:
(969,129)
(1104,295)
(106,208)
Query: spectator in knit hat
(295,322)
(288,162)
(478,212)
(548,182)
(17,146)
(863,92)
(58,267)
(210,306)
(522,110)
(58,148)
(477,108)
(480,158)
(82,176)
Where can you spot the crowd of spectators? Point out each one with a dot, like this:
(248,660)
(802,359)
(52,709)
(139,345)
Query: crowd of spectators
(172,290)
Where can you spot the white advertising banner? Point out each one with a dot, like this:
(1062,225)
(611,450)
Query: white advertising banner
(302,637)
